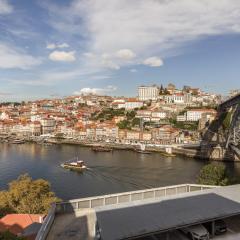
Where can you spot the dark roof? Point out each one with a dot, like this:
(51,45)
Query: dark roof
(32,229)
(137,220)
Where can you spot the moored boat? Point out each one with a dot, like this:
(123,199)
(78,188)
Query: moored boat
(77,165)
(101,149)
(168,154)
(18,141)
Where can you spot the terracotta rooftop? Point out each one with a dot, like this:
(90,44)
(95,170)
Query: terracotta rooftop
(16,223)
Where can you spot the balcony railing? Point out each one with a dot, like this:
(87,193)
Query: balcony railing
(124,197)
(113,199)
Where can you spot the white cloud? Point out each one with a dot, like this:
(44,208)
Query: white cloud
(54,46)
(133,70)
(51,46)
(125,54)
(153,62)
(11,57)
(110,64)
(51,77)
(148,28)
(63,45)
(106,56)
(62,56)
(97,91)
(5,7)
(89,55)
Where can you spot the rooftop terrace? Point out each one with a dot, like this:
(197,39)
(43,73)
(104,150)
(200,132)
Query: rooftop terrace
(76,219)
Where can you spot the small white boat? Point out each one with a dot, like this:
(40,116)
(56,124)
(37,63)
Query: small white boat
(18,141)
(77,165)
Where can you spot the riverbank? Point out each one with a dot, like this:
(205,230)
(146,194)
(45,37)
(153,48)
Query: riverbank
(116,146)
(165,150)
(214,153)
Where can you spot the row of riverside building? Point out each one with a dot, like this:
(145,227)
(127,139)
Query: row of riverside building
(72,117)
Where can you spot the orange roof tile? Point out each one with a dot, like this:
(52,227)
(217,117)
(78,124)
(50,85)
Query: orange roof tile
(16,223)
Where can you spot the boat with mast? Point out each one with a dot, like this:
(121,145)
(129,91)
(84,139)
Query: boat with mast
(75,165)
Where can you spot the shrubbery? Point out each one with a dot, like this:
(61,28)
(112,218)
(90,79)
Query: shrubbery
(26,195)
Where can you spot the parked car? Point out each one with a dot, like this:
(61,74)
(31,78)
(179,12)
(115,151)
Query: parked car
(196,232)
(220,227)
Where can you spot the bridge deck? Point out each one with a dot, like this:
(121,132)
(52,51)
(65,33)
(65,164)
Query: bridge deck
(230,102)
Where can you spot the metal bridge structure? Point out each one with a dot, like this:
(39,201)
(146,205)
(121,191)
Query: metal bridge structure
(227,125)
(232,106)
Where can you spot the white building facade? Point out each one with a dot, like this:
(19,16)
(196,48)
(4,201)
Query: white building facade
(148,93)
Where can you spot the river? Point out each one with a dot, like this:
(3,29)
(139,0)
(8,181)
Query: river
(110,172)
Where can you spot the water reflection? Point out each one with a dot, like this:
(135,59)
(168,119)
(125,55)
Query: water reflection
(110,172)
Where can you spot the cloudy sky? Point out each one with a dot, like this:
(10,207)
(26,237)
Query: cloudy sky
(51,48)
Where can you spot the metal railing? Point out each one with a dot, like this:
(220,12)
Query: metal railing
(47,223)
(125,197)
(111,199)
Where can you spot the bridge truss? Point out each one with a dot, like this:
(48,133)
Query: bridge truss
(233,138)
(234,130)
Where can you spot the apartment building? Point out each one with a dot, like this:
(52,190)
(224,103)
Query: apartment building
(48,125)
(128,104)
(133,135)
(36,128)
(165,134)
(148,93)
(177,98)
(196,114)
(151,116)
(133,103)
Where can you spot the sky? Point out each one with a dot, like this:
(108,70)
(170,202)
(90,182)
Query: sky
(56,48)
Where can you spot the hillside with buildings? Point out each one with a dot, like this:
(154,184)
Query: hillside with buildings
(157,115)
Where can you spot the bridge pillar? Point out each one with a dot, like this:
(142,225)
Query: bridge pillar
(217,153)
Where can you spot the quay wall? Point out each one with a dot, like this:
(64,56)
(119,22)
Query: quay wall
(207,153)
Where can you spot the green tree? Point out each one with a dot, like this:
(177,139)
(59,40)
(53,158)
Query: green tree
(161,92)
(131,115)
(166,92)
(136,122)
(4,206)
(26,195)
(213,174)
(123,124)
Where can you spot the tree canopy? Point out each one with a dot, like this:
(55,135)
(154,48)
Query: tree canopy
(124,124)
(26,195)
(213,174)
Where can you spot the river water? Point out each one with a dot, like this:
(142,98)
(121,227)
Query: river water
(110,172)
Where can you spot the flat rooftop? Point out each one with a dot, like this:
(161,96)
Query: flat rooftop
(130,220)
(76,225)
(144,217)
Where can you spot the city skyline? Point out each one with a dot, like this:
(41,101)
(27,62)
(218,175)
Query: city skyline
(59,48)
